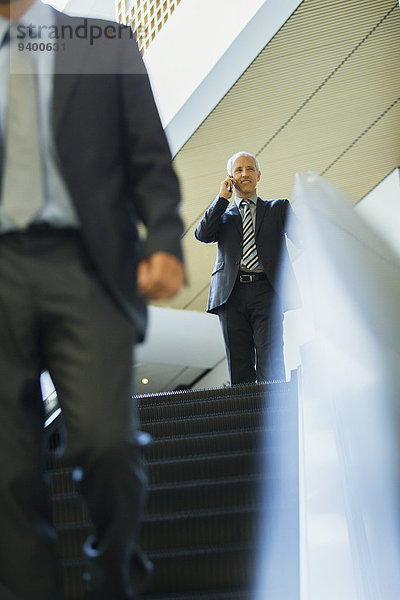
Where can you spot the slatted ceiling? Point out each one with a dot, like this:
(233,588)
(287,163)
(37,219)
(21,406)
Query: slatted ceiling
(327,101)
(317,97)
(224,113)
(360,159)
(199,302)
(306,53)
(344,16)
(365,151)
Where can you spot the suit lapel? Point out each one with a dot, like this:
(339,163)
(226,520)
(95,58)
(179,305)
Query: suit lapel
(260,212)
(67,68)
(62,89)
(237,219)
(1,159)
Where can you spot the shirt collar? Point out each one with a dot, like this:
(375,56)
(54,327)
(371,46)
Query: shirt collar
(4,27)
(37,14)
(252,199)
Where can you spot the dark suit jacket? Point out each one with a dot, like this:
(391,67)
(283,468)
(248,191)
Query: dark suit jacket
(113,155)
(224,225)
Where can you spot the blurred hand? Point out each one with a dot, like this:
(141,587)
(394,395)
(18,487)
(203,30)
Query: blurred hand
(160,276)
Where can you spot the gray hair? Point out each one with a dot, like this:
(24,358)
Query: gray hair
(232,159)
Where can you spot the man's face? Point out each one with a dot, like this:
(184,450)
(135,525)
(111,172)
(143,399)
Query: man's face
(8,2)
(14,9)
(245,173)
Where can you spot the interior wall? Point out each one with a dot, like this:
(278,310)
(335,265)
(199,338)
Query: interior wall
(381,208)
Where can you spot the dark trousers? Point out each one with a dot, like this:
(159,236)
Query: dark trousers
(252,326)
(55,316)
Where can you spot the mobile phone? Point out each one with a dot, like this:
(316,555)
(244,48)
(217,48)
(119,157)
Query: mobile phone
(230,187)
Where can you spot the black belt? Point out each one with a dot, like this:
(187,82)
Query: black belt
(251,277)
(41,229)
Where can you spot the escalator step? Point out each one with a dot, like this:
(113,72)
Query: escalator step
(268,390)
(214,456)
(166,410)
(205,467)
(227,594)
(203,424)
(206,443)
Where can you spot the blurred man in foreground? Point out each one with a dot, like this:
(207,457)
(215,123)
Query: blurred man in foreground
(83,157)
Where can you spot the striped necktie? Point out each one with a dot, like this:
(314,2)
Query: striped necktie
(250,256)
(22,189)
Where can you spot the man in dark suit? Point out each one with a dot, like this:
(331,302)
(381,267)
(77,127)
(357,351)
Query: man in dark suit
(245,286)
(83,158)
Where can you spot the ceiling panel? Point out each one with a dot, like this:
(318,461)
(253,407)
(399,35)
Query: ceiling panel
(163,377)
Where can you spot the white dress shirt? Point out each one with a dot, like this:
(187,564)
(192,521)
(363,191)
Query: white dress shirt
(58,209)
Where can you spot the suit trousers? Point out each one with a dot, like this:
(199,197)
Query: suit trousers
(252,326)
(56,316)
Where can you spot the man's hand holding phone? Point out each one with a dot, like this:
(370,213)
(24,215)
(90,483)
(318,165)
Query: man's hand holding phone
(227,186)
